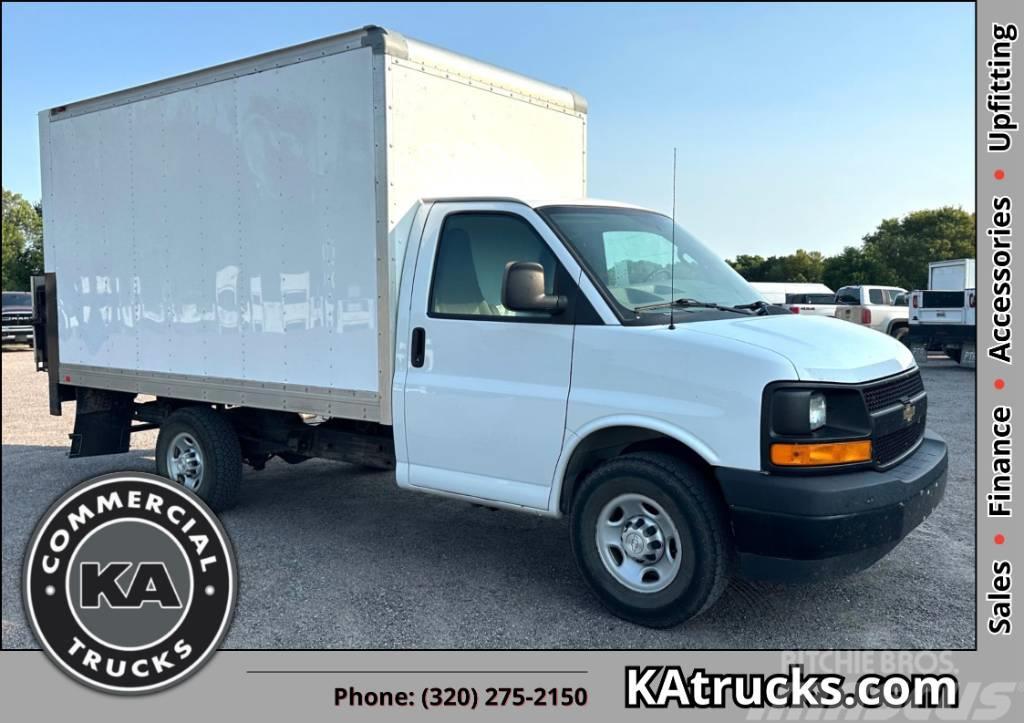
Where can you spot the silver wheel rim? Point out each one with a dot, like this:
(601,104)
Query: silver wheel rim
(185,461)
(638,543)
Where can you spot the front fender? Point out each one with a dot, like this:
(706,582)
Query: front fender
(573,439)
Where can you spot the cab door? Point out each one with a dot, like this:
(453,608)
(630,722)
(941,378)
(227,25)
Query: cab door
(486,388)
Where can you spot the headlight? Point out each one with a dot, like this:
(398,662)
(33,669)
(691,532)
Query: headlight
(798,412)
(816,411)
(807,426)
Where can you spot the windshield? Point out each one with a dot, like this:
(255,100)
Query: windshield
(17,298)
(631,253)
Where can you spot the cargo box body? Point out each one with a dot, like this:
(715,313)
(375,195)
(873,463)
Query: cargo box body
(235,235)
(952,275)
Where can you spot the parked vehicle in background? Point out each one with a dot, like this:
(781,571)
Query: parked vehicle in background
(798,297)
(882,308)
(943,317)
(17,317)
(778,293)
(812,304)
(580,358)
(951,275)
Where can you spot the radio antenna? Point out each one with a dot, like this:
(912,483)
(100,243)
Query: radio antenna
(672,251)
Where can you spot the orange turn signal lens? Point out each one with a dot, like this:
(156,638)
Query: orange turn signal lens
(812,455)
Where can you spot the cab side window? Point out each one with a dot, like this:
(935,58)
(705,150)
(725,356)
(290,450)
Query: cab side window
(875,296)
(472,253)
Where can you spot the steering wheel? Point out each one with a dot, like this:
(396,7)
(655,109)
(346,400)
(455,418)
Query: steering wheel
(660,270)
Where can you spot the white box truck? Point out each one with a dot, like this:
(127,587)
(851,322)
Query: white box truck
(944,316)
(324,252)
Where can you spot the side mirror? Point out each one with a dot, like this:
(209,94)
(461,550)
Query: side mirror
(522,289)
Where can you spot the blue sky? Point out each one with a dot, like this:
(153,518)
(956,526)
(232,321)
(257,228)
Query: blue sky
(798,126)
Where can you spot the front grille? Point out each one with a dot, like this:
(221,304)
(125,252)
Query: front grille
(891,392)
(17,319)
(890,447)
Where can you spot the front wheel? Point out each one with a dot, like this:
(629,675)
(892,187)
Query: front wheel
(650,537)
(198,448)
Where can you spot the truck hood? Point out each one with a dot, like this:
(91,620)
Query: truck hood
(819,348)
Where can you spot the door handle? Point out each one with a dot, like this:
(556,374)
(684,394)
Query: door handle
(419,346)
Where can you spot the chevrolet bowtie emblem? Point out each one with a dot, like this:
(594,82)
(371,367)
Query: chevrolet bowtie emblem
(909,412)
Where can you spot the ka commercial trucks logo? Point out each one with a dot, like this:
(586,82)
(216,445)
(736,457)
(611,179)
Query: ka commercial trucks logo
(130,583)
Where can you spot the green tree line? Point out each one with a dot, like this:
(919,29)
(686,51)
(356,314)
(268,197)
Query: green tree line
(22,241)
(894,254)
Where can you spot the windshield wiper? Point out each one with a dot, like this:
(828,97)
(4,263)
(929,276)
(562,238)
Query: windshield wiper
(760,306)
(691,303)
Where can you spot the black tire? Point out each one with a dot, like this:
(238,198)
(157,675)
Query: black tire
(900,333)
(221,453)
(954,353)
(698,513)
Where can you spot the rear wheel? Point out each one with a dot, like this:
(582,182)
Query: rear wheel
(650,537)
(198,448)
(900,333)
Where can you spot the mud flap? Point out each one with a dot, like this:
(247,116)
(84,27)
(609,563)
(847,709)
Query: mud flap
(969,356)
(920,352)
(102,422)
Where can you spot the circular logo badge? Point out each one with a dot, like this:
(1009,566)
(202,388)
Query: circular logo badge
(130,583)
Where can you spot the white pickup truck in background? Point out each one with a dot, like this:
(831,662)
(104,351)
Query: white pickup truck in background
(882,308)
(943,317)
(323,252)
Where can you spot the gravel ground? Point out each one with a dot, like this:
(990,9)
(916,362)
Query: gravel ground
(331,556)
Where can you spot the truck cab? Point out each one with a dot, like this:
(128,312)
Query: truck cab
(685,439)
(882,308)
(17,317)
